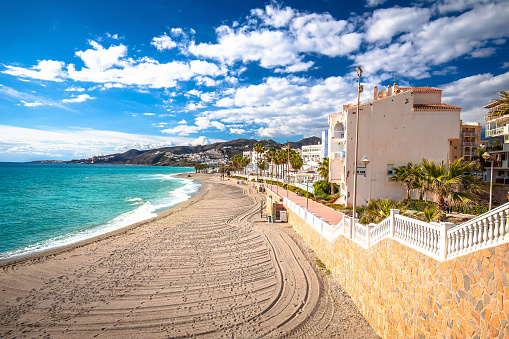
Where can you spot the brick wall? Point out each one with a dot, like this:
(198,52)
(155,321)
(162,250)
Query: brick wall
(405,294)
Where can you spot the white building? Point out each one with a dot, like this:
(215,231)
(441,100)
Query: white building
(497,128)
(398,126)
(311,157)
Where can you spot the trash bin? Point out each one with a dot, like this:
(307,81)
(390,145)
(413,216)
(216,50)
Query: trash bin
(269,218)
(282,216)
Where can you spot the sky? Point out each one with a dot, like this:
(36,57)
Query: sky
(79,79)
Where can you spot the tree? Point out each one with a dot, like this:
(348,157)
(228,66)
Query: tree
(295,160)
(244,162)
(502,102)
(271,153)
(378,210)
(262,164)
(237,161)
(259,149)
(449,181)
(323,168)
(430,214)
(409,175)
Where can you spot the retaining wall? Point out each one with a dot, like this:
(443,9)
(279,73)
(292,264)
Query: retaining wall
(405,294)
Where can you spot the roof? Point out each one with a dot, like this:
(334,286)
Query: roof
(435,107)
(420,89)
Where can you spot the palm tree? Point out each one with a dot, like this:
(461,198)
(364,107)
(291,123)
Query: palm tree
(502,102)
(448,181)
(296,161)
(409,175)
(271,153)
(237,161)
(431,214)
(259,149)
(323,168)
(244,162)
(378,210)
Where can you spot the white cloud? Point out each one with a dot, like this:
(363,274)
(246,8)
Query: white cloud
(163,42)
(374,3)
(202,140)
(149,114)
(24,144)
(45,70)
(473,92)
(386,23)
(75,89)
(31,104)
(237,131)
(28,99)
(182,122)
(79,98)
(100,58)
(415,53)
(289,36)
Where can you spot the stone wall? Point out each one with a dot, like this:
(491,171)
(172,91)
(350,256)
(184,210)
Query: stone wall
(405,294)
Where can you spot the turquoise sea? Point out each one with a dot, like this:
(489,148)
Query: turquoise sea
(45,206)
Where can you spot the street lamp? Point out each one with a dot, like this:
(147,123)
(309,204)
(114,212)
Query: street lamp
(488,157)
(358,69)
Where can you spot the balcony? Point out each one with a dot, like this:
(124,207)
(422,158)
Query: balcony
(469,134)
(495,132)
(338,155)
(468,143)
(338,136)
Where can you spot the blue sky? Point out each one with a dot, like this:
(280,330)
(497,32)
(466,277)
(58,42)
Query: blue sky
(87,78)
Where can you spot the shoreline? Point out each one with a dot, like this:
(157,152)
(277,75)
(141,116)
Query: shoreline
(66,248)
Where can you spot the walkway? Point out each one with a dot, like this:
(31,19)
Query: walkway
(330,215)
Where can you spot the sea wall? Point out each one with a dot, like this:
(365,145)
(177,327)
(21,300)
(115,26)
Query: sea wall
(406,294)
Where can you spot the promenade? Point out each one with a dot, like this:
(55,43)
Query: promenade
(330,215)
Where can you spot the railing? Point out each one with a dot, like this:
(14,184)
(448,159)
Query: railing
(440,241)
(494,132)
(338,135)
(469,134)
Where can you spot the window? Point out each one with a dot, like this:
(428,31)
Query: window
(390,169)
(361,169)
(455,147)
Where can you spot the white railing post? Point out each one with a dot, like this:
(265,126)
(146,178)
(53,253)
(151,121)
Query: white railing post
(352,227)
(393,223)
(446,226)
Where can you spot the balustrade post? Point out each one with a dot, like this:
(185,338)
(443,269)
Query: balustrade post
(446,226)
(352,227)
(321,225)
(393,223)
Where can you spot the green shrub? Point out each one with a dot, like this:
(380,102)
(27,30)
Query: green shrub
(417,205)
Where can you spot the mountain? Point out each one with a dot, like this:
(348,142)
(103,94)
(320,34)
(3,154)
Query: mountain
(177,155)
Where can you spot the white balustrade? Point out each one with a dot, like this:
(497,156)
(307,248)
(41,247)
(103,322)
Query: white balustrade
(441,241)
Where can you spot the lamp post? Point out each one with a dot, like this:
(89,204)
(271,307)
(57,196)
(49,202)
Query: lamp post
(288,172)
(358,69)
(488,157)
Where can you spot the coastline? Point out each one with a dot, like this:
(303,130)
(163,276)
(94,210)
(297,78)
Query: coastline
(210,266)
(51,252)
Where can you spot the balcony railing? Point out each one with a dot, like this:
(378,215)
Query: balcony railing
(338,135)
(469,134)
(468,143)
(494,132)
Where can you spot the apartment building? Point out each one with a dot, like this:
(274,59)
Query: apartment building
(311,156)
(497,128)
(470,140)
(400,125)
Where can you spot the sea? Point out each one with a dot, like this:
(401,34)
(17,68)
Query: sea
(46,206)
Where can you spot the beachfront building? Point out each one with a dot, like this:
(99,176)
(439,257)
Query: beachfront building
(400,125)
(311,157)
(497,128)
(325,143)
(470,140)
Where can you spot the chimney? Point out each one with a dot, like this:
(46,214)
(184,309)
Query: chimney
(375,93)
(395,87)
(389,90)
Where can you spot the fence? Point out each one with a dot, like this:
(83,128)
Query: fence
(441,241)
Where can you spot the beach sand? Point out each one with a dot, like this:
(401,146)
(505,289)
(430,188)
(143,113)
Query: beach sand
(209,267)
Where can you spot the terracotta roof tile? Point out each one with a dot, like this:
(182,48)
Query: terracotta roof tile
(434,107)
(420,89)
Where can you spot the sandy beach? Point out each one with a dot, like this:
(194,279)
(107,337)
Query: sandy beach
(209,267)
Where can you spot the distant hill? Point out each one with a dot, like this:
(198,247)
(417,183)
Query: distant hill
(164,156)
